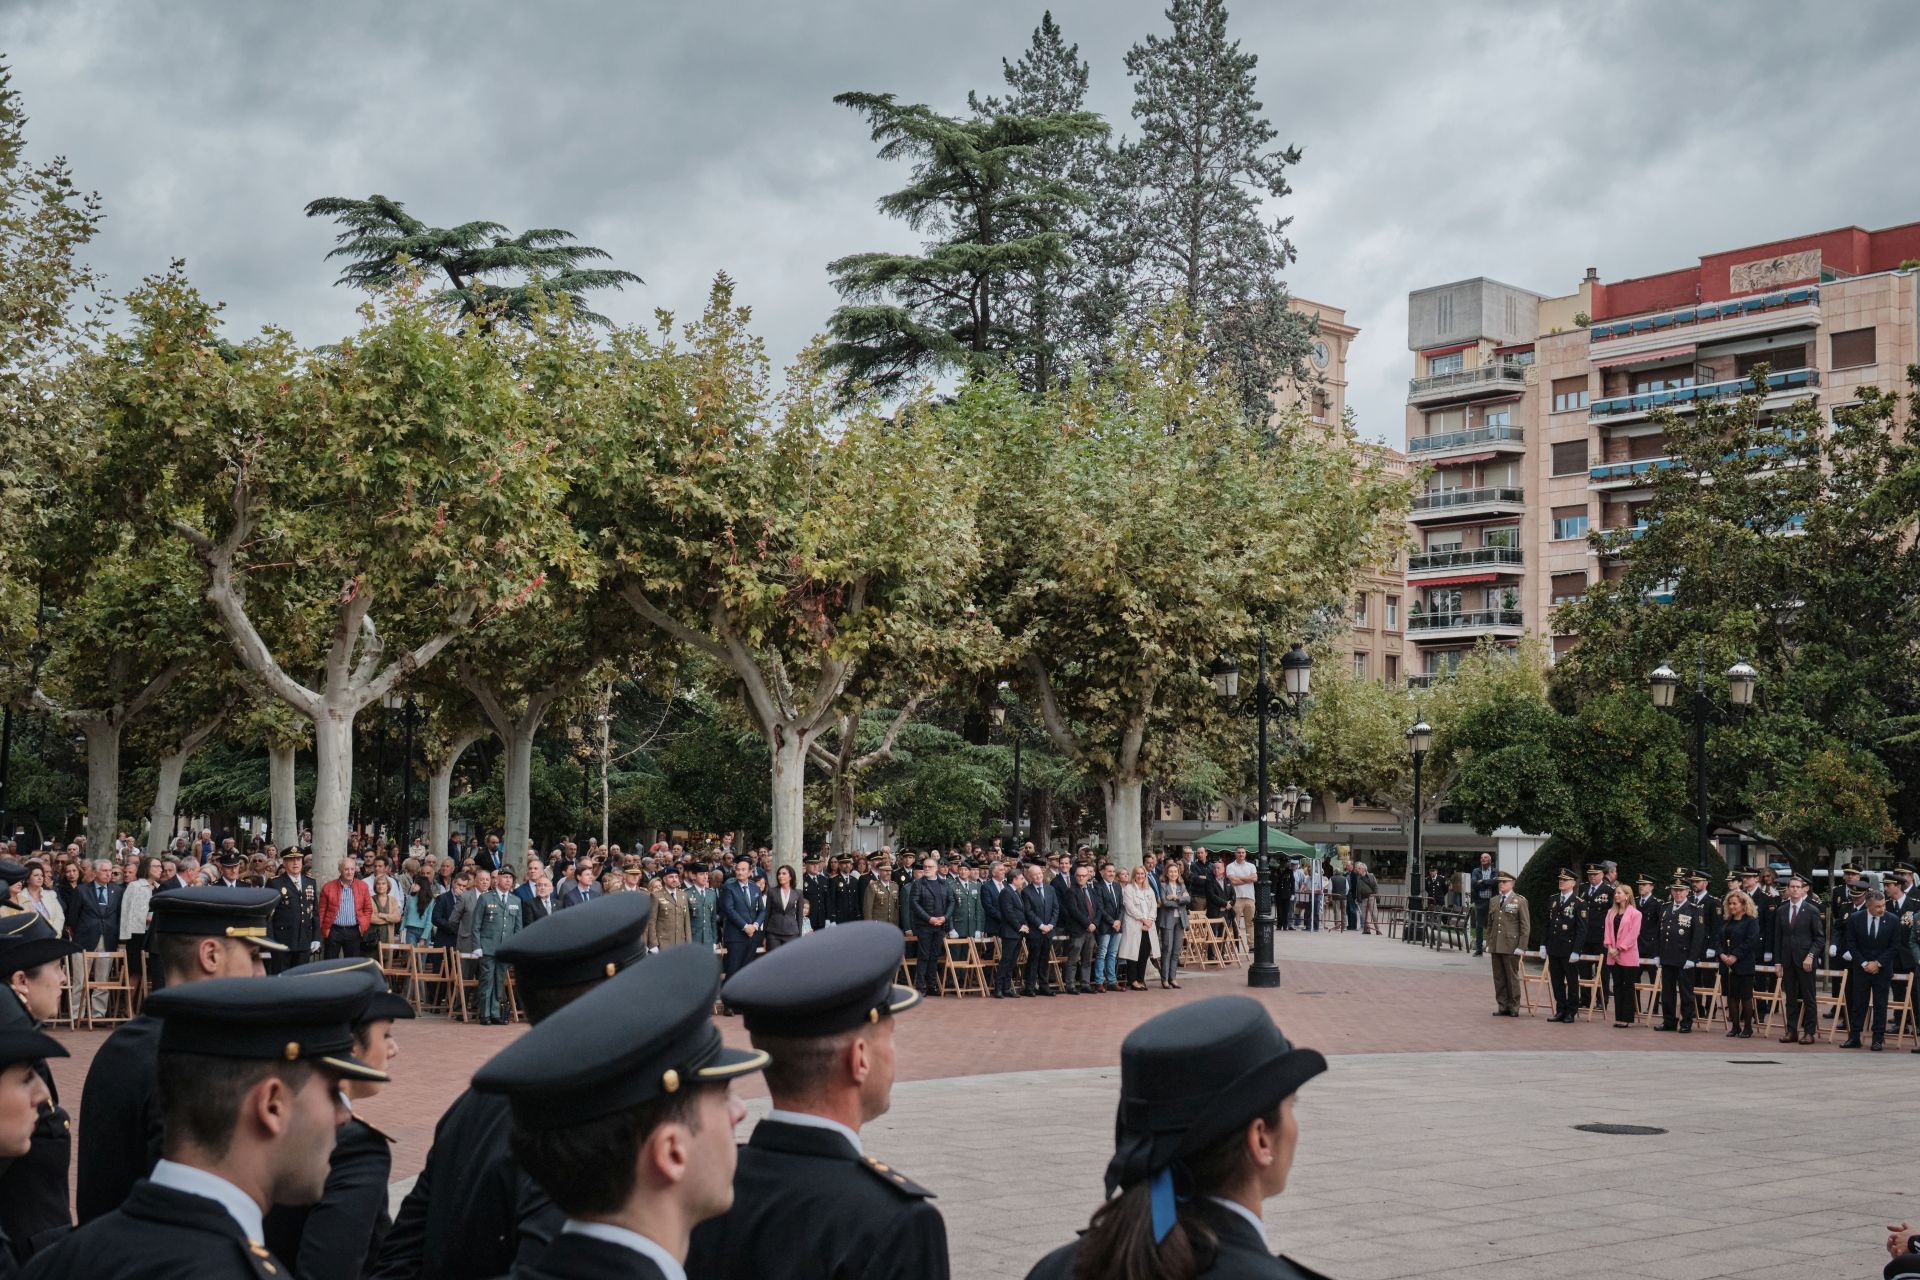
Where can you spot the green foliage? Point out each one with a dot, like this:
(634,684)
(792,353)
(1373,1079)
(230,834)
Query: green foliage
(996,218)
(1538,880)
(383,245)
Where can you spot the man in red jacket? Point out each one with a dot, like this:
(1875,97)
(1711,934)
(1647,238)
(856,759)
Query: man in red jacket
(346,909)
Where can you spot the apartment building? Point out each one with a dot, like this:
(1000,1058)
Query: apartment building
(1534,411)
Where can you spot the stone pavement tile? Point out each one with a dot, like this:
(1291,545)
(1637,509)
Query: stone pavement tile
(1710,1265)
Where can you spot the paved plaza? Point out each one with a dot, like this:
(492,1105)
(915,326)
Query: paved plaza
(1441,1142)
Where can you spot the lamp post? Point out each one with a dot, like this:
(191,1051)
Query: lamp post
(1664,684)
(1419,738)
(1014,721)
(1262,705)
(390,702)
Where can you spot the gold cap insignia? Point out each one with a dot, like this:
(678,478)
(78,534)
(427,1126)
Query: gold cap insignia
(292,1051)
(670,1081)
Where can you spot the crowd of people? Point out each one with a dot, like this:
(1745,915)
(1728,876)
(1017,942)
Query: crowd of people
(1767,939)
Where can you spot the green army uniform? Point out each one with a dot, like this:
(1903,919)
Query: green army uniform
(701,903)
(496,917)
(969,917)
(883,902)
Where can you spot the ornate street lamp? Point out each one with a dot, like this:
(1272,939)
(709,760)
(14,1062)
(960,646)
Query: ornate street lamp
(1263,704)
(1663,683)
(1419,739)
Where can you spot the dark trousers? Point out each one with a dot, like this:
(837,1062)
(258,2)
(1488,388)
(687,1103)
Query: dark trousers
(1480,926)
(1625,1004)
(1800,988)
(1861,985)
(1079,966)
(1039,946)
(1009,959)
(1283,911)
(739,951)
(931,948)
(1141,961)
(1676,995)
(1566,989)
(342,940)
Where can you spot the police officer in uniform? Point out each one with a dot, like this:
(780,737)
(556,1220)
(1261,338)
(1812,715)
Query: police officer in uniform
(496,919)
(1596,897)
(472,1212)
(1650,907)
(1565,925)
(295,922)
(282,1047)
(1698,881)
(622,1106)
(24,1096)
(33,1188)
(808,1200)
(333,1238)
(1182,1155)
(198,934)
(817,890)
(1683,947)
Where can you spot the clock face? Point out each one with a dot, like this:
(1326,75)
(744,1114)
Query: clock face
(1320,354)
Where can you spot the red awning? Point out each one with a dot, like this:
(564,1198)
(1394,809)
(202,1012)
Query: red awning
(1458,580)
(1430,352)
(1463,458)
(1646,357)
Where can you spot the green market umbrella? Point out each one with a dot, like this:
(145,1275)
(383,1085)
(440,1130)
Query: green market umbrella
(1247,835)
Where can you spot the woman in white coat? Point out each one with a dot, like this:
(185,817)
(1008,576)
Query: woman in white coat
(1139,940)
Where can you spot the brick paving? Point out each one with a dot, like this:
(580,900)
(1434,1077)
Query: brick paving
(1414,1023)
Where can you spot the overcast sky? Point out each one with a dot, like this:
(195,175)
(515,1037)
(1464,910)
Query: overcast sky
(1525,141)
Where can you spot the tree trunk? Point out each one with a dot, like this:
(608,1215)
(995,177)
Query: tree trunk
(1122,796)
(162,820)
(843,815)
(332,789)
(440,796)
(789,795)
(1043,825)
(285,821)
(103,785)
(518,796)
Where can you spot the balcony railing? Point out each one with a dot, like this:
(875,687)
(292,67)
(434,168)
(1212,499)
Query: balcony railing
(1696,315)
(1426,561)
(1498,376)
(1471,619)
(1447,499)
(1461,439)
(1628,470)
(1786,380)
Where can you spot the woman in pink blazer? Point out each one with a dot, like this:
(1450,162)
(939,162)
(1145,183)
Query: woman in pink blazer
(1623,954)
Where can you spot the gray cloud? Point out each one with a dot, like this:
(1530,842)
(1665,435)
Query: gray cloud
(1521,140)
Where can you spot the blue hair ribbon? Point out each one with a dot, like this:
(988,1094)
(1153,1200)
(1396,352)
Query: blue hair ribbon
(1161,1194)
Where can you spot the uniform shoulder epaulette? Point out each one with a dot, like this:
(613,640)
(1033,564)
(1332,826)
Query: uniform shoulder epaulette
(263,1261)
(894,1178)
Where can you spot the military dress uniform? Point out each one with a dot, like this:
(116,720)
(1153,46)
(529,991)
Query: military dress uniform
(1507,924)
(1683,947)
(1597,899)
(119,1104)
(496,918)
(817,890)
(295,922)
(472,1212)
(1650,907)
(882,902)
(672,918)
(807,1199)
(846,898)
(1565,927)
(969,918)
(182,1223)
(703,908)
(33,1189)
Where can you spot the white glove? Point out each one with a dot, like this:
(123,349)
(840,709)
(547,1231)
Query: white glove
(474,954)
(1687,965)
(1833,949)
(1766,957)
(1846,955)
(313,946)
(653,951)
(1543,953)
(1709,953)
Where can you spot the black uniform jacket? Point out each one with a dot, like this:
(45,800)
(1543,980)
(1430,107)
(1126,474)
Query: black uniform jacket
(33,1189)
(1683,934)
(1242,1255)
(332,1240)
(578,1257)
(119,1118)
(1565,925)
(296,917)
(159,1234)
(472,1212)
(804,1204)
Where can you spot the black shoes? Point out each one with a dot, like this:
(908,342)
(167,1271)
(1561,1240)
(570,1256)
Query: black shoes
(1853,1043)
(1876,1046)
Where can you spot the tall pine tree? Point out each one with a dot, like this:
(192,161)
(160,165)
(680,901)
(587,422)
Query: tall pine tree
(1185,201)
(1055,307)
(991,217)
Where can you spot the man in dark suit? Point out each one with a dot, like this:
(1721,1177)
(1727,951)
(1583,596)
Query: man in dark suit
(539,902)
(579,889)
(1649,905)
(1872,939)
(1565,925)
(1042,907)
(1799,941)
(1683,946)
(743,914)
(295,922)
(930,908)
(1006,920)
(1109,918)
(1079,925)
(1484,887)
(95,924)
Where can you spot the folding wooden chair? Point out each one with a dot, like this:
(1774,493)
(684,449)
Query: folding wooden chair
(1900,1023)
(433,987)
(396,966)
(119,988)
(1709,1006)
(1646,990)
(466,986)
(1837,1001)
(513,997)
(1594,988)
(1769,1005)
(965,971)
(1531,978)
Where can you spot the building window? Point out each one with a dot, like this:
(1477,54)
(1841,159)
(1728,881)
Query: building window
(1393,613)
(1569,394)
(1570,457)
(1569,587)
(1852,349)
(1360,610)
(1662,380)
(1776,360)
(1518,359)
(1569,522)
(1506,535)
(1321,406)
(1360,664)
(1452,362)
(1393,668)
(1499,417)
(1446,420)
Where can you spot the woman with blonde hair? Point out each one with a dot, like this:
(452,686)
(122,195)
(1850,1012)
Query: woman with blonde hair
(1622,940)
(1139,939)
(1739,947)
